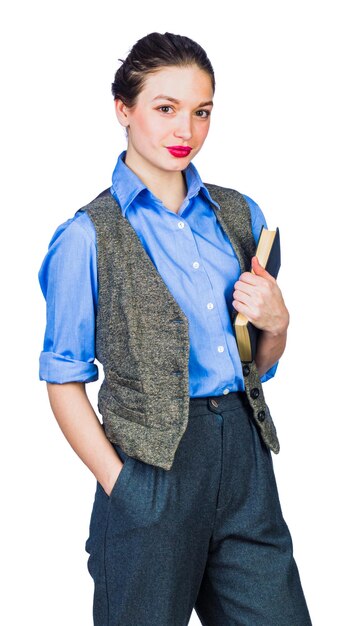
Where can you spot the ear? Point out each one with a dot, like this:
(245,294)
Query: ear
(121,111)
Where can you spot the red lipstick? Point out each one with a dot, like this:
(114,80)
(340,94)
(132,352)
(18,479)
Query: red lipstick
(179,151)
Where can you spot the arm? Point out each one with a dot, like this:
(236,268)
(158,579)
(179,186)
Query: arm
(258,297)
(269,350)
(68,279)
(82,429)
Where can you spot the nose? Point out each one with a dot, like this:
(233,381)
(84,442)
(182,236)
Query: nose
(184,128)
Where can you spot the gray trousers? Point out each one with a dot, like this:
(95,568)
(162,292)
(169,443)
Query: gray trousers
(208,534)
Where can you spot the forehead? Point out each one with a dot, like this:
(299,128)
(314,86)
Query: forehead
(182,83)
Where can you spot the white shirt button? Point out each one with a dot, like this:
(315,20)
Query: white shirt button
(220,348)
(181,224)
(210,306)
(195,265)
(225,391)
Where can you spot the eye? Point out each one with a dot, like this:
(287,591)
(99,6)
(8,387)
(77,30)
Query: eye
(203,113)
(164,108)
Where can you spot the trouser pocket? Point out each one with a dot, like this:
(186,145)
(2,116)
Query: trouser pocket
(126,459)
(99,519)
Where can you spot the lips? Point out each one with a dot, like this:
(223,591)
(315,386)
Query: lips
(179,151)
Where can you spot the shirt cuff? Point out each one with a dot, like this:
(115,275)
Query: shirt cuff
(55,368)
(270,373)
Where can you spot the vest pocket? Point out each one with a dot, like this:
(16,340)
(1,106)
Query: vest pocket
(113,378)
(127,397)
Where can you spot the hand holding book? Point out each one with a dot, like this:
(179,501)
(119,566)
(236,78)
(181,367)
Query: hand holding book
(268,255)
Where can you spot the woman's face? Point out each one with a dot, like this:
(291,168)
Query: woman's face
(172,110)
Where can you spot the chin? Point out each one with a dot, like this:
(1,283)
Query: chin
(180,164)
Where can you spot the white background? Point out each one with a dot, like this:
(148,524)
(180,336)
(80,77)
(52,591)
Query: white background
(278,135)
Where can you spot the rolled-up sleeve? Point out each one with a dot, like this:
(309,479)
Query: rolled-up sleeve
(68,280)
(270,373)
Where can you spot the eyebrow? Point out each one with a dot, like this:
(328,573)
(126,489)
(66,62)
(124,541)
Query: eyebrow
(163,97)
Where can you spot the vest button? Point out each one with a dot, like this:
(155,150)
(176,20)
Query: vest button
(246,370)
(214,403)
(254,393)
(261,415)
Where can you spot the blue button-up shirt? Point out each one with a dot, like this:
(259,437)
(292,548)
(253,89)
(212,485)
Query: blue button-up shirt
(194,258)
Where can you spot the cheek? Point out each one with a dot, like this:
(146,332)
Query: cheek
(141,125)
(151,129)
(203,132)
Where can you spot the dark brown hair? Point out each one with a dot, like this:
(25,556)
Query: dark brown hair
(148,55)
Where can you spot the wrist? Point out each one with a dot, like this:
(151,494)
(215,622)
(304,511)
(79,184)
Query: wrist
(112,476)
(277,332)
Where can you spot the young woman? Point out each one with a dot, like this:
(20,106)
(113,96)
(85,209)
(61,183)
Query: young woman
(144,278)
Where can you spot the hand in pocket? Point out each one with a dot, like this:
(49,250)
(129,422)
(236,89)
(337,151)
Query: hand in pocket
(117,472)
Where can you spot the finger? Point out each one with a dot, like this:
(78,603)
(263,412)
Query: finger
(259,270)
(244,298)
(249,278)
(250,312)
(257,282)
(245,288)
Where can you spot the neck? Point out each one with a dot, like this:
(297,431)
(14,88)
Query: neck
(169,187)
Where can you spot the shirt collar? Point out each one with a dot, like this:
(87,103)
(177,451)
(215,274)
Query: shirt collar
(195,185)
(126,185)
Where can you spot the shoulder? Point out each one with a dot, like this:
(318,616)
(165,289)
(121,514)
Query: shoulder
(241,202)
(217,191)
(72,244)
(257,217)
(220,193)
(231,198)
(101,204)
(71,253)
(74,230)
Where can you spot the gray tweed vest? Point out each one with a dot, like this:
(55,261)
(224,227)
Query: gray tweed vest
(142,337)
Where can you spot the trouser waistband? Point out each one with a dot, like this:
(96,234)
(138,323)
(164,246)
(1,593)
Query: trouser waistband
(217,404)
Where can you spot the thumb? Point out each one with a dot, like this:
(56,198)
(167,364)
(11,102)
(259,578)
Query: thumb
(259,270)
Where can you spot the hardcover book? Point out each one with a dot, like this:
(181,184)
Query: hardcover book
(268,254)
